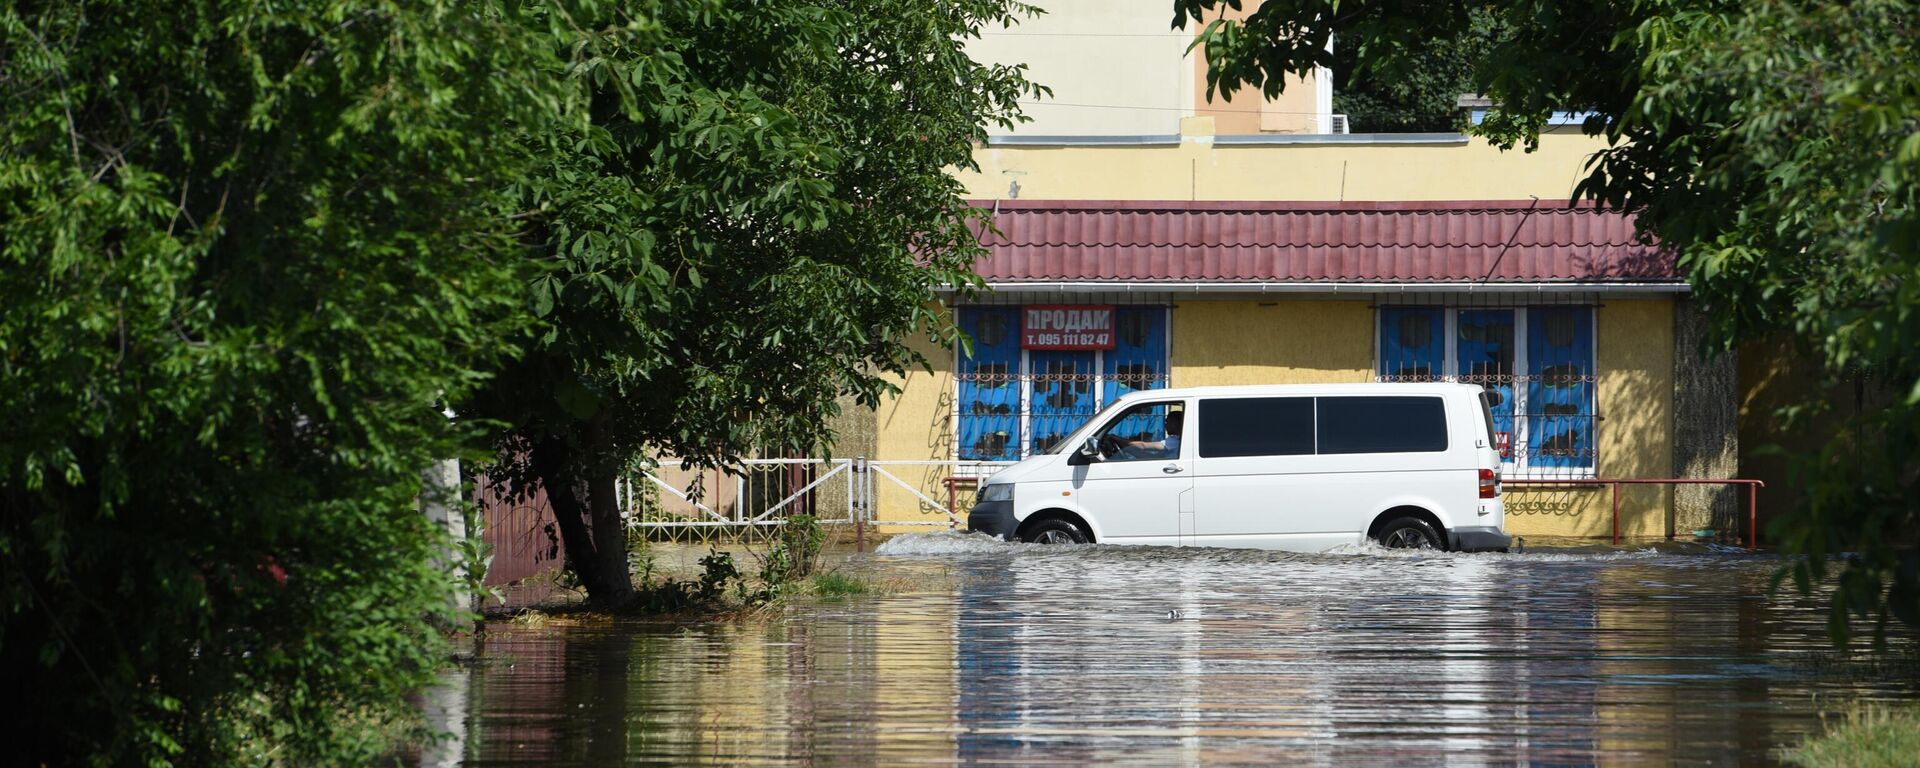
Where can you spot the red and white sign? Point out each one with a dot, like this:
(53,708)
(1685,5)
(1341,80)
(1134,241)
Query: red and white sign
(1066,326)
(1503,441)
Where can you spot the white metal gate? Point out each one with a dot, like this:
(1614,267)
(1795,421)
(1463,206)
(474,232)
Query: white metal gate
(756,495)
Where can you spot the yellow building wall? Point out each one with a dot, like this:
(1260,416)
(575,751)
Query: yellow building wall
(1218,343)
(1634,354)
(916,425)
(1297,340)
(1200,169)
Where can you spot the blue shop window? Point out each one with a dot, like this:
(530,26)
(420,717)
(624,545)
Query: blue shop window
(1560,387)
(1412,343)
(1484,355)
(1138,359)
(1063,395)
(1060,389)
(1537,363)
(989,379)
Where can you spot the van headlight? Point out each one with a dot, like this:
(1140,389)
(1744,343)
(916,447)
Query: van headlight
(996,492)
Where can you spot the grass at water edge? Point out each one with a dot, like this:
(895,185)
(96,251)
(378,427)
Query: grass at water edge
(1867,734)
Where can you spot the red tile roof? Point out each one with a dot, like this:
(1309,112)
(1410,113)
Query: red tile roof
(1424,242)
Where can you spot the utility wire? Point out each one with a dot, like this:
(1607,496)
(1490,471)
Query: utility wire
(1510,238)
(1033,103)
(1087,34)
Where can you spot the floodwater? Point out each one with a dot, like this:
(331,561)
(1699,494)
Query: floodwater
(1027,655)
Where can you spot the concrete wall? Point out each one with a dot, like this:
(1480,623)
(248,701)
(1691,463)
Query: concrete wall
(1773,374)
(1302,106)
(1776,373)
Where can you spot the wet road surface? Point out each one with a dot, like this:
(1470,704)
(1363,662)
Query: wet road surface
(1018,654)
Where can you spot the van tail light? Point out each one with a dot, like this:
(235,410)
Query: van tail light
(1489,484)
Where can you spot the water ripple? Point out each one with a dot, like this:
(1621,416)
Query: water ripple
(1025,654)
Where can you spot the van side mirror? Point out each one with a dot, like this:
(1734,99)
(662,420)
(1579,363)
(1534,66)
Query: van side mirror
(1086,454)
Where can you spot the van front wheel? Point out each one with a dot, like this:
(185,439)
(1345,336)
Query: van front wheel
(1408,533)
(1054,532)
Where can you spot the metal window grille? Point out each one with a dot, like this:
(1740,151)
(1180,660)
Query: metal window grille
(1012,403)
(1536,361)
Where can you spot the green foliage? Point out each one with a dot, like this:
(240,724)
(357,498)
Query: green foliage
(244,250)
(251,250)
(1775,147)
(1420,97)
(745,222)
(750,218)
(719,581)
(1871,736)
(838,585)
(472,556)
(795,552)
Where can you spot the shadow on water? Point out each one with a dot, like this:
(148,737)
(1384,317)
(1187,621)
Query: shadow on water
(1024,654)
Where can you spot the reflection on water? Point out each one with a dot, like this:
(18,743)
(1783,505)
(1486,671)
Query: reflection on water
(1025,655)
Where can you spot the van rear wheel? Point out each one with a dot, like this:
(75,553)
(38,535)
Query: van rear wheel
(1054,532)
(1408,533)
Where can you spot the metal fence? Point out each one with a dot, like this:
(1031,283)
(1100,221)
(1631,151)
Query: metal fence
(519,531)
(746,502)
(752,499)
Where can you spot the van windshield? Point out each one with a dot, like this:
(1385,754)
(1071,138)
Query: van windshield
(1069,446)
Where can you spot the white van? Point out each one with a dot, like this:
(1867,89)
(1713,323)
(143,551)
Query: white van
(1304,468)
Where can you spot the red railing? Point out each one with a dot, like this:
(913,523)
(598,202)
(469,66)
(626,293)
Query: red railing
(953,496)
(1753,498)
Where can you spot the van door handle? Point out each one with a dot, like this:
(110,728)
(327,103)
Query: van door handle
(1172,469)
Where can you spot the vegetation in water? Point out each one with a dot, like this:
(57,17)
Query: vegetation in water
(743,227)
(265,263)
(1773,146)
(795,551)
(836,584)
(247,254)
(1868,736)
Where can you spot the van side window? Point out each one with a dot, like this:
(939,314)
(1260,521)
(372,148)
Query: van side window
(1381,425)
(1144,432)
(1256,426)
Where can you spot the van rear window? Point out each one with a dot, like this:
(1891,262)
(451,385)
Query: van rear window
(1256,426)
(1382,424)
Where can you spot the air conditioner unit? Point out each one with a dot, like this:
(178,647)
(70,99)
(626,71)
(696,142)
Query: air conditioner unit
(1337,124)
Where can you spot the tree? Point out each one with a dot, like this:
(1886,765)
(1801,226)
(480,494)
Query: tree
(1774,146)
(1416,94)
(247,249)
(748,220)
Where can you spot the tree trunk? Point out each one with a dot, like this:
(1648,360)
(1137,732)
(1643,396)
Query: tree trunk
(581,493)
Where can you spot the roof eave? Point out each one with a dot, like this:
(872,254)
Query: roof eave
(1660,287)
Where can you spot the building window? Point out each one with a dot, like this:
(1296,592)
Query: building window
(1536,363)
(1035,373)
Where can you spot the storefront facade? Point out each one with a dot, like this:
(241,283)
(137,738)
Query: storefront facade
(1558,308)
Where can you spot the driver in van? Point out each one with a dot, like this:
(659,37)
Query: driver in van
(1168,448)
